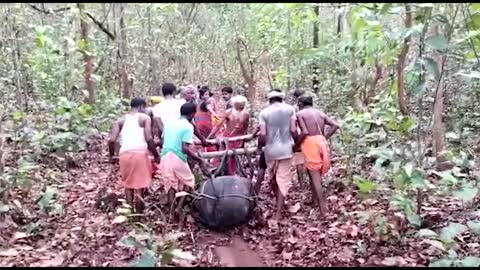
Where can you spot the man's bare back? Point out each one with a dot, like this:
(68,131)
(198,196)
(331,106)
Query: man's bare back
(313,121)
(236,125)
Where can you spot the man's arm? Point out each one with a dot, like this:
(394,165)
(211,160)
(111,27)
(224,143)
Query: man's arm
(293,124)
(217,127)
(187,144)
(303,130)
(199,136)
(333,126)
(147,131)
(210,109)
(263,131)
(116,128)
(157,121)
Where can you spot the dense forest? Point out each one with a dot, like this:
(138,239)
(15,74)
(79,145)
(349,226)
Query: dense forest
(401,79)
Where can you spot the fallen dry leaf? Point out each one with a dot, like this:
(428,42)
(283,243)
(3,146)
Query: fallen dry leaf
(9,253)
(57,261)
(294,208)
(18,235)
(119,219)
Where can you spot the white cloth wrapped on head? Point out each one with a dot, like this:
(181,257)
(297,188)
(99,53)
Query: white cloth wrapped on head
(274,94)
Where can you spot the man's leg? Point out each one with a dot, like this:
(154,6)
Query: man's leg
(129,196)
(171,202)
(300,173)
(139,200)
(260,177)
(262,166)
(312,188)
(316,181)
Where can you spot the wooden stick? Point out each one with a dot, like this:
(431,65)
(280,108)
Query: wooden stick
(239,151)
(229,139)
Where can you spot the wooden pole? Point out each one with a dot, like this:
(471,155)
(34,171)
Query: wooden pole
(228,139)
(240,151)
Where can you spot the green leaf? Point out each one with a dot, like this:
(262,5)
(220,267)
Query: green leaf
(128,241)
(363,185)
(472,74)
(408,169)
(447,234)
(437,244)
(474,227)
(146,260)
(469,261)
(407,124)
(466,194)
(46,197)
(474,7)
(431,67)
(441,263)
(17,116)
(414,219)
(437,42)
(426,233)
(440,18)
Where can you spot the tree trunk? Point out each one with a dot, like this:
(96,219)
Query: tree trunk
(316,70)
(122,53)
(16,63)
(247,75)
(438,128)
(402,105)
(87,57)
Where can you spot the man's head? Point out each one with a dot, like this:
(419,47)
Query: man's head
(239,102)
(305,101)
(203,93)
(188,111)
(276,95)
(168,89)
(227,93)
(298,93)
(138,104)
(188,93)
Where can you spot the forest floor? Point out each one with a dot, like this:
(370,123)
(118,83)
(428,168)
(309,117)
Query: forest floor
(87,236)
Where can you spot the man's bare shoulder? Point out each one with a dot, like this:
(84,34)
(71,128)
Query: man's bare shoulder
(120,120)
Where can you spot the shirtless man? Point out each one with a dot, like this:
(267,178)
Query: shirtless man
(298,159)
(134,128)
(237,120)
(313,143)
(277,133)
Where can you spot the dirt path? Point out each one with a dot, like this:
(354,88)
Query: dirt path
(232,250)
(83,235)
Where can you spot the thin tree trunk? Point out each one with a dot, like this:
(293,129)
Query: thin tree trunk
(438,127)
(316,70)
(247,75)
(289,60)
(122,53)
(87,58)
(402,105)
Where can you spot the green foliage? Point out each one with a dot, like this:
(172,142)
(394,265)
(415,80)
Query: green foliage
(156,250)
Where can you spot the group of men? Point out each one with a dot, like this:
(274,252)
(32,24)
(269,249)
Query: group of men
(175,119)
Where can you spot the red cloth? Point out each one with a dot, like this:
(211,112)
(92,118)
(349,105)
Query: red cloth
(231,160)
(203,122)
